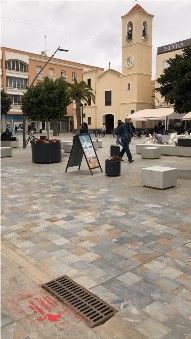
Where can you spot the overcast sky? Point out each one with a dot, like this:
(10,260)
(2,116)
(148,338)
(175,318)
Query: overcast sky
(91,30)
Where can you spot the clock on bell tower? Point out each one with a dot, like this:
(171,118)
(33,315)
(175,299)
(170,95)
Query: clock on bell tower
(137,56)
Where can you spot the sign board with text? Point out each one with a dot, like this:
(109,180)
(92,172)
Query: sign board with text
(83,146)
(174,46)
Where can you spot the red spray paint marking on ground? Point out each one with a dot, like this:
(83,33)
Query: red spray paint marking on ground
(51,317)
(45,304)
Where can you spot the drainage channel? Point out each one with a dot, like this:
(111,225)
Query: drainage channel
(91,308)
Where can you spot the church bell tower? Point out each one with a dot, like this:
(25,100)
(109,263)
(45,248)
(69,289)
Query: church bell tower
(137,57)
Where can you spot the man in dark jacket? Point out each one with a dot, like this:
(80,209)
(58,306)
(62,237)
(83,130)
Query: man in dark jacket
(125,133)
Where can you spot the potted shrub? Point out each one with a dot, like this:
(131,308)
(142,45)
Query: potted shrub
(47,101)
(46,151)
(113,166)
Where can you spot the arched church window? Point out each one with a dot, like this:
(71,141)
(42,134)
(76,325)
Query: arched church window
(145,30)
(129,86)
(129,30)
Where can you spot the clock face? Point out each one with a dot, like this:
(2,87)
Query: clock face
(130,61)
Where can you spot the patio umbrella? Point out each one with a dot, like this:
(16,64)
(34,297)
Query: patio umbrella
(187,116)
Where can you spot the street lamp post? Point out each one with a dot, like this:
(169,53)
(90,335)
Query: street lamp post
(82,108)
(24,115)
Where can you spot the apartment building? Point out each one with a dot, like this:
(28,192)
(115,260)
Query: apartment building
(164,53)
(19,68)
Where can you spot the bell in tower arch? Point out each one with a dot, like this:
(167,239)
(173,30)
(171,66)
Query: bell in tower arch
(129,31)
(144,32)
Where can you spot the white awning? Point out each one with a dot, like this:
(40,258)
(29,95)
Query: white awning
(187,116)
(157,113)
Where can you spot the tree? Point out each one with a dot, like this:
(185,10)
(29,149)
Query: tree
(5,105)
(80,91)
(46,101)
(176,82)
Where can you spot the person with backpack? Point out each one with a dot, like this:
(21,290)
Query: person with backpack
(124,132)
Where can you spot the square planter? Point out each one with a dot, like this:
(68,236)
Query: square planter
(46,153)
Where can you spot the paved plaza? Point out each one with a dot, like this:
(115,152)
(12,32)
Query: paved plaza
(130,245)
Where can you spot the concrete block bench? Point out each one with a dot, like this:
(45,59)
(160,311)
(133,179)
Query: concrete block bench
(9,143)
(168,149)
(159,177)
(183,151)
(139,147)
(151,153)
(6,152)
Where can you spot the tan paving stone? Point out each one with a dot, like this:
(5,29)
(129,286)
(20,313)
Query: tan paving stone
(170,272)
(119,329)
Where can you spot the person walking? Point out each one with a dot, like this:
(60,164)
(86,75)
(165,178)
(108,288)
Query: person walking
(103,130)
(124,132)
(118,139)
(15,129)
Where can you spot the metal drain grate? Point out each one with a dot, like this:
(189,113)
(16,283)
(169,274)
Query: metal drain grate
(94,311)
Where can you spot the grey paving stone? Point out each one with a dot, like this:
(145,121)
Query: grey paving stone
(153,329)
(179,325)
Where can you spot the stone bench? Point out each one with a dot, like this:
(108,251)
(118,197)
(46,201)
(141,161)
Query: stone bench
(6,152)
(159,177)
(183,151)
(139,147)
(167,149)
(151,153)
(10,143)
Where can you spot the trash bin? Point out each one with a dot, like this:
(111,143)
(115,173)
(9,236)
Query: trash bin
(112,167)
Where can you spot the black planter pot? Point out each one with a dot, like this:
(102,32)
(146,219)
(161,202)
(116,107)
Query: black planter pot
(112,168)
(184,142)
(114,150)
(46,153)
